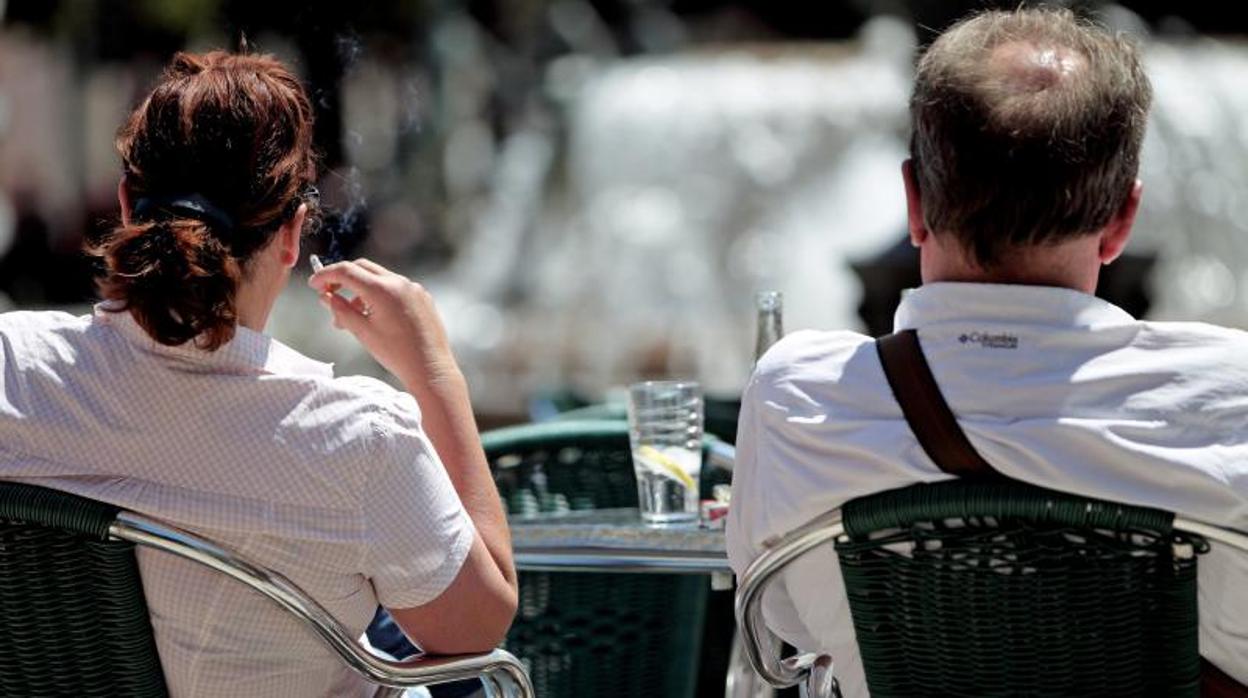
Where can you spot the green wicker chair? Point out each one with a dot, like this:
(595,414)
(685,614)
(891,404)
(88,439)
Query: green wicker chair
(577,465)
(589,634)
(1001,589)
(721,415)
(75,622)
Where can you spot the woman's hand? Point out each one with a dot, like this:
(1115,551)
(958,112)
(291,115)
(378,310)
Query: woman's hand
(394,318)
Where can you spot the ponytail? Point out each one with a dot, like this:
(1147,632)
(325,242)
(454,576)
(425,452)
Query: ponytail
(175,277)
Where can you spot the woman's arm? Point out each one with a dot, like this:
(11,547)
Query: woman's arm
(396,321)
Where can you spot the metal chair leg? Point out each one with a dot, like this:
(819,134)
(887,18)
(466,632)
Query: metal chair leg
(820,683)
(742,681)
(502,684)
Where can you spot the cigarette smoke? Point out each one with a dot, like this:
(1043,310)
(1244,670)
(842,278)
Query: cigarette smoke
(345,224)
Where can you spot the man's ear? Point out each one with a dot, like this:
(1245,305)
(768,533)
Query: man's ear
(914,205)
(123,198)
(1115,235)
(289,235)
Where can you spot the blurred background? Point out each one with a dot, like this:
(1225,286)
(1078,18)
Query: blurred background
(594,189)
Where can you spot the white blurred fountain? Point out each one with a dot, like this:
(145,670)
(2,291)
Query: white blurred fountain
(632,241)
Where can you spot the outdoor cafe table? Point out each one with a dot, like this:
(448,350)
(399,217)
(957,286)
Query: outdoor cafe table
(616,540)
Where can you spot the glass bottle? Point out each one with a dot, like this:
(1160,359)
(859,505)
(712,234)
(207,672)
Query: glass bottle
(770,322)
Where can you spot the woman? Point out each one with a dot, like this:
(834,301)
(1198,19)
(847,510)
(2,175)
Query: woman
(169,400)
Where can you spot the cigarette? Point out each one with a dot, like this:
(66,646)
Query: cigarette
(317,266)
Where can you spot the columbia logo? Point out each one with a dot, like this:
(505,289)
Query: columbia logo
(989,340)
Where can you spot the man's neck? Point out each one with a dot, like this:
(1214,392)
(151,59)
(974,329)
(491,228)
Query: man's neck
(1072,264)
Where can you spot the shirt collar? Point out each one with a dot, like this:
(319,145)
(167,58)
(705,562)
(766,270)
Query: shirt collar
(1037,305)
(247,352)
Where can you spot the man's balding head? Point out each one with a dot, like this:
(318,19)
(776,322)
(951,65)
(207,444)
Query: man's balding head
(1025,69)
(1027,130)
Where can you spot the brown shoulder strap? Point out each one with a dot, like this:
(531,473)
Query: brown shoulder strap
(925,409)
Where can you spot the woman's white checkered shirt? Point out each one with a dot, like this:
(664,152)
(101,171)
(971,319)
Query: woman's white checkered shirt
(330,481)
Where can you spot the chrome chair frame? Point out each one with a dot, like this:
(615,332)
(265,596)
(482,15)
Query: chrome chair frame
(503,675)
(814,671)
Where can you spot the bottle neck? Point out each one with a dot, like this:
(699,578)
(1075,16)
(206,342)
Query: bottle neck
(770,330)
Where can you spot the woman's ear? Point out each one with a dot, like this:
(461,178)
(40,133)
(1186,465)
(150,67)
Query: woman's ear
(289,236)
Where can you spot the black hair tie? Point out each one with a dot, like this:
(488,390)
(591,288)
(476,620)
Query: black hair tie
(194,206)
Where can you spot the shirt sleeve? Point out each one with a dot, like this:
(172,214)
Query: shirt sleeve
(740,529)
(747,525)
(417,533)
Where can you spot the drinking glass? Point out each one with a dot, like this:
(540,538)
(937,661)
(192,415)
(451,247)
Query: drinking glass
(665,432)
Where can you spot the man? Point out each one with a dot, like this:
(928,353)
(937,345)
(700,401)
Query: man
(1020,186)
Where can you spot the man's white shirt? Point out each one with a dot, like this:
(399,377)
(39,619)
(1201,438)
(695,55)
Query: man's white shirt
(1052,386)
(329,481)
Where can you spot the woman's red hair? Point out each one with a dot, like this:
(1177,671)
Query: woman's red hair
(237,131)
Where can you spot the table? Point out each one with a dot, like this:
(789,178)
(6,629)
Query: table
(616,540)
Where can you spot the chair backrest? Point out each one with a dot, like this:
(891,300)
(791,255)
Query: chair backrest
(721,415)
(573,465)
(960,588)
(593,634)
(560,466)
(75,622)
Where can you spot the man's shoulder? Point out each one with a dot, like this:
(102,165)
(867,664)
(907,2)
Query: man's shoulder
(811,354)
(1179,330)
(1194,344)
(825,371)
(805,346)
